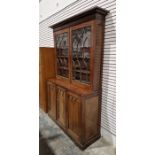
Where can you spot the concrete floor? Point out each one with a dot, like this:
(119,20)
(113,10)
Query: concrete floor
(44,149)
(53,141)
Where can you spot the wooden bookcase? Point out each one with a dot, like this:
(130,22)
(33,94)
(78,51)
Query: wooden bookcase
(74,95)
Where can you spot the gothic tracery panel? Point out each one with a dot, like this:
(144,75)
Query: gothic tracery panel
(62,54)
(81,44)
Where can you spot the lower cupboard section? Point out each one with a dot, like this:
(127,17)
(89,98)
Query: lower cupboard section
(77,115)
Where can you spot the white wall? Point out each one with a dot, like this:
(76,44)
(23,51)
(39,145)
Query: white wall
(108,115)
(49,7)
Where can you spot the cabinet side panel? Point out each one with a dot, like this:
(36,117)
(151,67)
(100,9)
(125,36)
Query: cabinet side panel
(46,71)
(98,51)
(91,117)
(41,82)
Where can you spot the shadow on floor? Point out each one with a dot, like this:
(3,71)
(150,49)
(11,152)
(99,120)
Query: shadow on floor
(43,147)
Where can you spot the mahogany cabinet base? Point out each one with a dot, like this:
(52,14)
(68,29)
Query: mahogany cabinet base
(80,145)
(77,114)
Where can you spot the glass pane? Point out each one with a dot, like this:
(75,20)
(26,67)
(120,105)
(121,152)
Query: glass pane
(81,44)
(62,54)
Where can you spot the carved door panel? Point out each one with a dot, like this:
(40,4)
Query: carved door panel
(52,100)
(74,116)
(61,106)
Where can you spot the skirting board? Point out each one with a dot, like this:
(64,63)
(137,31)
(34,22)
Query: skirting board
(110,138)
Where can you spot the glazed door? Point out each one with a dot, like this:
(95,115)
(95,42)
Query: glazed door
(74,116)
(62,54)
(61,106)
(52,100)
(82,53)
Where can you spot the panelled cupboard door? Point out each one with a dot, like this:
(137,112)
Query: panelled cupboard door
(74,116)
(52,100)
(61,106)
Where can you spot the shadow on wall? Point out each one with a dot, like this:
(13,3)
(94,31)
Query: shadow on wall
(108,61)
